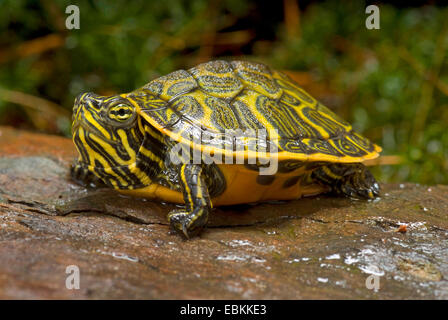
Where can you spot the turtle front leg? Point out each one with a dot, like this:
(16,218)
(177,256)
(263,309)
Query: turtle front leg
(352,179)
(81,175)
(190,221)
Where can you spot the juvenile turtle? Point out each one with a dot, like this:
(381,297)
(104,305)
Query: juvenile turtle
(220,133)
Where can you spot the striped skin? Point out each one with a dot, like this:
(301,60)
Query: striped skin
(353,180)
(125,140)
(123,154)
(197,202)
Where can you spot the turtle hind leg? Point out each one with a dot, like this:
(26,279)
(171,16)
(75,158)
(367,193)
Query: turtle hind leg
(353,180)
(189,222)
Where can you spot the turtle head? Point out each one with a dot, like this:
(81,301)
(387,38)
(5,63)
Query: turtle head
(107,133)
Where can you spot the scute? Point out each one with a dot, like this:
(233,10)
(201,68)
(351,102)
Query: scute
(217,96)
(150,106)
(172,85)
(257,77)
(223,116)
(188,107)
(324,111)
(288,85)
(217,79)
(244,111)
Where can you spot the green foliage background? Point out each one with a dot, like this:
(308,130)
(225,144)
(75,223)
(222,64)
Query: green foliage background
(392,83)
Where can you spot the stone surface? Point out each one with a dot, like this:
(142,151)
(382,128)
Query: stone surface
(314,248)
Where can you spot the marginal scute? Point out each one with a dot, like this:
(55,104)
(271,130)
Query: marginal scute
(361,141)
(294,146)
(322,146)
(217,79)
(347,147)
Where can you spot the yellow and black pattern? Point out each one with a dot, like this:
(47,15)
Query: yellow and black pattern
(258,77)
(126,141)
(246,118)
(304,128)
(114,144)
(326,126)
(223,115)
(188,107)
(219,96)
(155,108)
(352,180)
(217,79)
(243,109)
(288,85)
(284,119)
(172,85)
(197,200)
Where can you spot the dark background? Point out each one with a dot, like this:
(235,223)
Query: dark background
(391,84)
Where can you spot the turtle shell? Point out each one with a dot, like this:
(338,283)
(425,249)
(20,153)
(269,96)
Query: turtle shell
(210,105)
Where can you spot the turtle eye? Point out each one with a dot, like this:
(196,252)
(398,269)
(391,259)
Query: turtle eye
(121,112)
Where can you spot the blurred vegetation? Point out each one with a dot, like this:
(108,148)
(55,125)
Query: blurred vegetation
(392,83)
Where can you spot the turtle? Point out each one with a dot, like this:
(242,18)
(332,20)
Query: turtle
(220,133)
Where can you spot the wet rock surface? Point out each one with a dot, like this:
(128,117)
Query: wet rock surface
(315,248)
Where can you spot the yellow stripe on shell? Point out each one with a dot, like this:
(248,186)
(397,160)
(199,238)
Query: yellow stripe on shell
(283,155)
(252,105)
(319,129)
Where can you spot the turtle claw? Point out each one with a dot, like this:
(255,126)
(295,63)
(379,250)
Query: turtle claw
(351,180)
(185,231)
(360,193)
(188,224)
(360,185)
(179,221)
(81,175)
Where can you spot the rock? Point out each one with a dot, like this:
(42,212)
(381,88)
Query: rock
(313,248)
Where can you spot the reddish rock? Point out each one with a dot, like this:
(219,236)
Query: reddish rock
(315,248)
